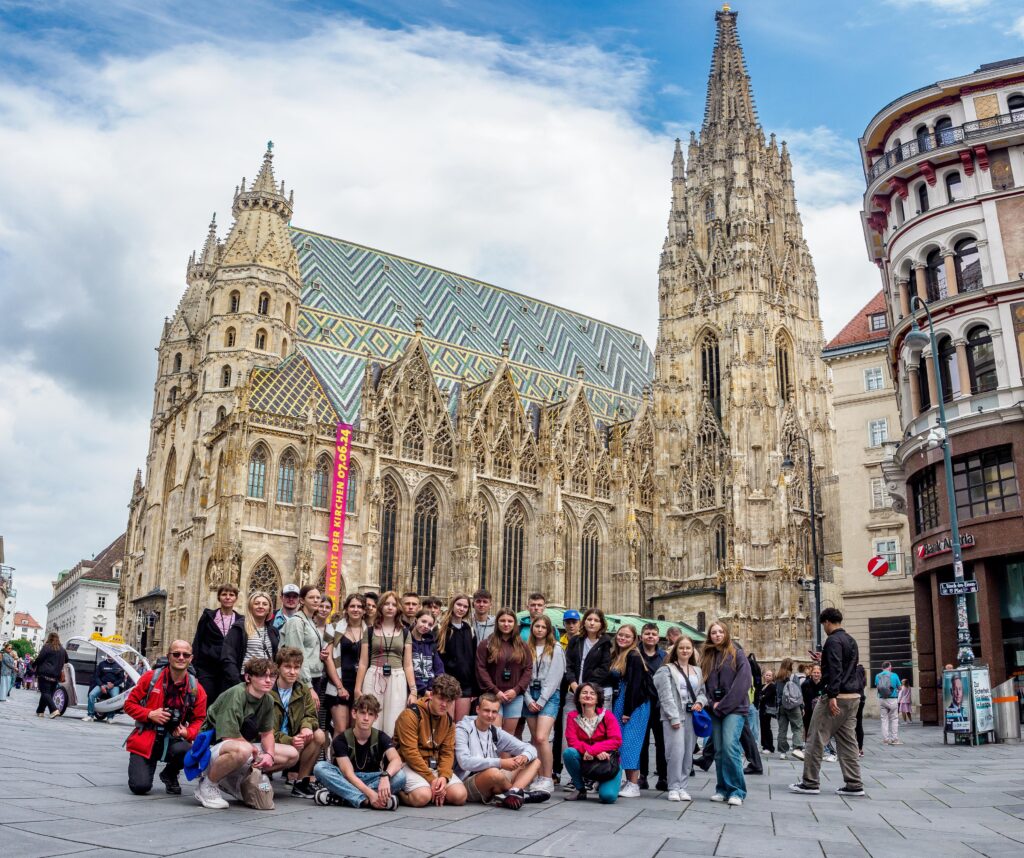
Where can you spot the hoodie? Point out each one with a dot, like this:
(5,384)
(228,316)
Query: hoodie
(426,663)
(476,751)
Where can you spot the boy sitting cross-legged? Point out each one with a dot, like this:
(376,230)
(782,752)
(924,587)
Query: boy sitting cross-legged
(295,717)
(367,771)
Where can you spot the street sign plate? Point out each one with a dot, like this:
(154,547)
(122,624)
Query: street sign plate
(958,588)
(878,566)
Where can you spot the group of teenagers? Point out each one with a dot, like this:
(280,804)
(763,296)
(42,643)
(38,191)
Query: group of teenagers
(396,700)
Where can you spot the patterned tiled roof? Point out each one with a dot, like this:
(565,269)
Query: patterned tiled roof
(358,301)
(288,389)
(858,329)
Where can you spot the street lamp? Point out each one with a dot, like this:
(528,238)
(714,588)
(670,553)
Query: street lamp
(787,469)
(916,340)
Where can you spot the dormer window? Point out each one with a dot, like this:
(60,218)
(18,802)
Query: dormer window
(878,322)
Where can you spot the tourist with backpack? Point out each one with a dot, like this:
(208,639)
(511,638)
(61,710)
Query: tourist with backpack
(169,706)
(791,705)
(887,684)
(426,663)
(366,771)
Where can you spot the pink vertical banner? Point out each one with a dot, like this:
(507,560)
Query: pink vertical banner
(339,501)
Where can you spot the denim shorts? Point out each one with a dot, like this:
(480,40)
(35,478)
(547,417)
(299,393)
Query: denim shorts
(513,709)
(550,708)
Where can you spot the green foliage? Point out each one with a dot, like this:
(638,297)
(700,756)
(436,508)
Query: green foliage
(23,647)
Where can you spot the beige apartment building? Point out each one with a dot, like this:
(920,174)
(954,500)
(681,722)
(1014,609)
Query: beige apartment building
(879,611)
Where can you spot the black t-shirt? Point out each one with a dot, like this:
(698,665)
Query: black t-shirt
(365,758)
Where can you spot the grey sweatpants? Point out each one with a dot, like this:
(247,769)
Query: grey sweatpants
(794,720)
(678,752)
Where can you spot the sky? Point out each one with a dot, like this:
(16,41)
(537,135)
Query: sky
(523,142)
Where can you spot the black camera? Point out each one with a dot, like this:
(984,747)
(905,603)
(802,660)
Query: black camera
(535,685)
(718,694)
(386,670)
(689,707)
(506,674)
(171,724)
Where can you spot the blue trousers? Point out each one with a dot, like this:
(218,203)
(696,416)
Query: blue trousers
(94,695)
(331,777)
(607,790)
(726,734)
(754,720)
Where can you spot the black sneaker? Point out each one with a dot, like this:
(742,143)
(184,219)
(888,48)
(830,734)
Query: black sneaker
(171,783)
(326,798)
(303,789)
(643,782)
(662,784)
(846,790)
(535,796)
(513,799)
(803,789)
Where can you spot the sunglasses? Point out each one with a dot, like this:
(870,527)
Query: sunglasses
(180,655)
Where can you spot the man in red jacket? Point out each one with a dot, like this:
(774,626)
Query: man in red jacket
(169,707)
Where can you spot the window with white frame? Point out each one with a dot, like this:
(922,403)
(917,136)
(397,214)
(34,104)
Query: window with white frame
(101,601)
(880,498)
(878,432)
(878,322)
(890,550)
(873,378)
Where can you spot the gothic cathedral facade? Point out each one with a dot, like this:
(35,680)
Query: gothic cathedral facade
(501,441)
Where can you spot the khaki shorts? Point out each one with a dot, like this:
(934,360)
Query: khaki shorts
(413,781)
(474,793)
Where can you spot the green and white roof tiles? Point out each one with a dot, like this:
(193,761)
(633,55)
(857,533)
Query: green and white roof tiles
(360,303)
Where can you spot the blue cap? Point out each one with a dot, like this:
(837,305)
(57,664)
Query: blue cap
(571,615)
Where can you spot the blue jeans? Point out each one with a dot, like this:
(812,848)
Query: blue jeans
(94,696)
(607,790)
(331,777)
(728,755)
(754,720)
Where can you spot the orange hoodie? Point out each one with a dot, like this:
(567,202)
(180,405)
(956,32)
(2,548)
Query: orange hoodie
(420,736)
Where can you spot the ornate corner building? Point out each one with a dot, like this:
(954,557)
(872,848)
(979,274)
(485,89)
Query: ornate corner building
(500,441)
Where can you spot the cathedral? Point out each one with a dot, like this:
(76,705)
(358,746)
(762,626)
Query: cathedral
(502,441)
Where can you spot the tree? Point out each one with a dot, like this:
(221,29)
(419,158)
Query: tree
(22,647)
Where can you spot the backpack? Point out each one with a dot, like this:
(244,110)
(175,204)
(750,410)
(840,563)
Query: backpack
(792,697)
(885,685)
(373,744)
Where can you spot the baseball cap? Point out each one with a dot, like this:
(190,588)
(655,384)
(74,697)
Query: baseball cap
(570,615)
(289,589)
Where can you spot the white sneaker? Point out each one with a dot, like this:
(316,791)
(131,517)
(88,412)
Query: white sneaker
(798,753)
(209,796)
(673,795)
(830,758)
(629,790)
(88,718)
(718,797)
(543,785)
(782,755)
(684,795)
(735,801)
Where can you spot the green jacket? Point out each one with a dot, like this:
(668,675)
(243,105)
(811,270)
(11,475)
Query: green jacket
(301,712)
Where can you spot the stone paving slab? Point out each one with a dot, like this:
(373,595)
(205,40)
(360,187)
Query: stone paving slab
(64,793)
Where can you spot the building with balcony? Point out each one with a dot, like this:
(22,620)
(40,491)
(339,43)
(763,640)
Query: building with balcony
(878,611)
(85,597)
(944,221)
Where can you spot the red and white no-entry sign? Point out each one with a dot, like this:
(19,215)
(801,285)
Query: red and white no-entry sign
(878,566)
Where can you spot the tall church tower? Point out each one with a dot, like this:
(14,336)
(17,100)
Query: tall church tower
(738,380)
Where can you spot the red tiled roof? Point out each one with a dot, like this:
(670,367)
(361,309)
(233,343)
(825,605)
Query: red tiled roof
(858,329)
(24,618)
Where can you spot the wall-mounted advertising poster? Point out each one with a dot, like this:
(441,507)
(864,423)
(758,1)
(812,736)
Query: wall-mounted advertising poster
(956,701)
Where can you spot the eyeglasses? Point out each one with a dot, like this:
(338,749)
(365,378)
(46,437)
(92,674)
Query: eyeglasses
(180,655)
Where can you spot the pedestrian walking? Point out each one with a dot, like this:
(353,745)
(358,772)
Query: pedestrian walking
(887,685)
(834,716)
(906,705)
(791,703)
(769,711)
(8,670)
(862,682)
(680,686)
(49,666)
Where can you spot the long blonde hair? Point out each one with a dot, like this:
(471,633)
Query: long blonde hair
(708,654)
(449,618)
(250,624)
(621,655)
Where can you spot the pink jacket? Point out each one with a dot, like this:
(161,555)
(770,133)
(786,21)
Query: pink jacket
(607,736)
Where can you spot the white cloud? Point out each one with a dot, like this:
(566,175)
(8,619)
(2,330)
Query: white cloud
(951,6)
(1017,28)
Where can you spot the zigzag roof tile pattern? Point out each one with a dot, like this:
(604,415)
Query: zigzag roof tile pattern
(358,302)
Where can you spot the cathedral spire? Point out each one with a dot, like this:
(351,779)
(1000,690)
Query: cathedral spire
(730,103)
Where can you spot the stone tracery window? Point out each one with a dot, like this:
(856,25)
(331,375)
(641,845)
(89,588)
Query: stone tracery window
(265,578)
(263,306)
(442,449)
(685,495)
(502,458)
(710,372)
(513,555)
(322,482)
(286,478)
(646,490)
(386,434)
(784,366)
(720,544)
(256,485)
(424,539)
(352,497)
(602,483)
(528,466)
(412,439)
(388,534)
(483,537)
(580,477)
(706,493)
(590,547)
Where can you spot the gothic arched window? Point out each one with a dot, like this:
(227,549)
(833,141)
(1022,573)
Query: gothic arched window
(602,483)
(513,555)
(177,362)
(229,338)
(702,621)
(388,534)
(386,434)
(234,301)
(706,493)
(225,377)
(784,366)
(502,459)
(261,339)
(286,478)
(685,495)
(322,482)
(580,477)
(173,396)
(479,452)
(265,578)
(483,540)
(352,496)
(424,539)
(170,473)
(263,305)
(646,490)
(590,548)
(257,472)
(442,451)
(720,544)
(412,442)
(710,373)
(528,466)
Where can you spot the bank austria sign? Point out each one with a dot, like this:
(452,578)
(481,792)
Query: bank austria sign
(943,546)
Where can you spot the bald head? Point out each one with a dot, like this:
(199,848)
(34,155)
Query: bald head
(179,655)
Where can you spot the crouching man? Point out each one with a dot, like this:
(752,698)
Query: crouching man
(295,717)
(489,777)
(239,717)
(425,737)
(168,706)
(367,771)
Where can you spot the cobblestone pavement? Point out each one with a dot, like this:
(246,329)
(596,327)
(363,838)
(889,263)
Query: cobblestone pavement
(63,788)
